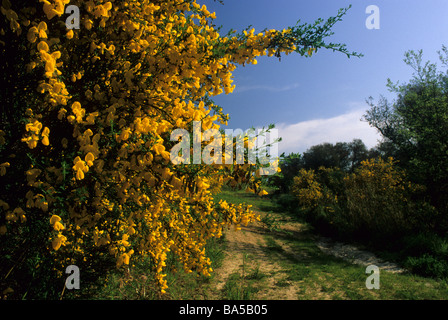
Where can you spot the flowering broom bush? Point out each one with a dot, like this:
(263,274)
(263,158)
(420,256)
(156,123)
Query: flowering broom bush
(317,196)
(380,200)
(86,117)
(376,202)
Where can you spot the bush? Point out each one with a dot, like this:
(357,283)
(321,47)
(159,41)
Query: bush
(374,203)
(316,197)
(428,266)
(378,200)
(378,206)
(425,254)
(286,201)
(86,122)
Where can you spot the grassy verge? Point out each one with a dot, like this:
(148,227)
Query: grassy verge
(321,276)
(137,283)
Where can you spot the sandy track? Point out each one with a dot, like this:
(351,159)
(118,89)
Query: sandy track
(249,246)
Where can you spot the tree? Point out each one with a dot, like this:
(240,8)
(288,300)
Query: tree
(86,120)
(415,125)
(343,155)
(326,155)
(358,153)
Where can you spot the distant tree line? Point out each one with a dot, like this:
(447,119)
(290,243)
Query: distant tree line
(343,155)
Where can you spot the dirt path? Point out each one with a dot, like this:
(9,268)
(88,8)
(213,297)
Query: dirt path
(257,253)
(247,252)
(355,255)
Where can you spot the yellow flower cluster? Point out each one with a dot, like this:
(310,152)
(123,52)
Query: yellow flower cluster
(307,189)
(311,193)
(34,134)
(380,177)
(110,94)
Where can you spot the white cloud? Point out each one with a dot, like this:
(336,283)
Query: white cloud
(300,136)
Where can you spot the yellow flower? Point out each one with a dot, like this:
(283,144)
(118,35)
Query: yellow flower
(58,242)
(55,218)
(58,226)
(45,133)
(79,174)
(100,11)
(89,159)
(108,6)
(78,111)
(120,260)
(34,126)
(49,68)
(88,24)
(42,27)
(32,34)
(124,240)
(69,34)
(3,167)
(31,141)
(45,141)
(80,168)
(126,258)
(56,55)
(125,134)
(43,46)
(91,117)
(158,148)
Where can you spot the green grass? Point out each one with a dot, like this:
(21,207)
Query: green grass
(138,282)
(259,204)
(240,196)
(326,277)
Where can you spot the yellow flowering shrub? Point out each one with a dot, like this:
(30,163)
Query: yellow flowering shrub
(307,189)
(378,197)
(311,192)
(375,202)
(85,136)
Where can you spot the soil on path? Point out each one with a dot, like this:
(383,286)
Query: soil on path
(356,255)
(247,249)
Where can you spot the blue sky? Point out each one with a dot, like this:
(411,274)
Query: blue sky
(321,99)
